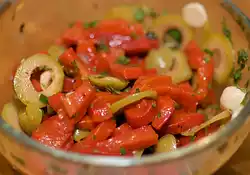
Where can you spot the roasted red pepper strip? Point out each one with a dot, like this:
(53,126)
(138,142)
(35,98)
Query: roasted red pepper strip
(55,101)
(140,45)
(71,84)
(182,121)
(100,111)
(77,102)
(86,123)
(140,138)
(36,84)
(123,129)
(166,108)
(103,131)
(204,64)
(55,132)
(141,113)
(183,141)
(68,58)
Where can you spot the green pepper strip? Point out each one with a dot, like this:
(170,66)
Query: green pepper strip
(131,99)
(223,115)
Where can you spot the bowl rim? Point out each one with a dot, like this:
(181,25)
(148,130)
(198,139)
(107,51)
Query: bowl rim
(209,142)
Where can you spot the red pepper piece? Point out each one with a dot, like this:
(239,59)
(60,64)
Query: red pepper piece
(166,108)
(184,141)
(71,84)
(77,102)
(123,129)
(126,72)
(103,131)
(86,48)
(182,121)
(68,58)
(100,111)
(140,45)
(36,84)
(54,132)
(141,113)
(86,123)
(55,101)
(140,138)
(68,145)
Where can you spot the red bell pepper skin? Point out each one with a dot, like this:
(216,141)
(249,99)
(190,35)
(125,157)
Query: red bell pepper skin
(55,131)
(87,48)
(55,101)
(182,121)
(166,108)
(126,72)
(103,131)
(77,102)
(141,113)
(74,34)
(68,58)
(204,64)
(86,123)
(68,145)
(100,111)
(140,138)
(184,141)
(71,84)
(36,84)
(123,129)
(140,45)
(186,86)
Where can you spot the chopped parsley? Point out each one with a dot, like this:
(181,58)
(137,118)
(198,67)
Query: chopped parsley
(90,24)
(226,31)
(192,138)
(139,15)
(159,115)
(237,75)
(154,105)
(209,52)
(74,64)
(242,58)
(102,47)
(175,34)
(94,137)
(246,84)
(122,151)
(152,13)
(104,73)
(206,59)
(43,99)
(137,90)
(123,60)
(71,24)
(133,35)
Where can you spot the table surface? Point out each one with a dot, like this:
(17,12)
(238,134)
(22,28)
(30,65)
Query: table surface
(239,164)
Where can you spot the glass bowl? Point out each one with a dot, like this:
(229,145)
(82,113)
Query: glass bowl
(27,27)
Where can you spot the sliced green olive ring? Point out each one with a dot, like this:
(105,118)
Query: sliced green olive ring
(23,86)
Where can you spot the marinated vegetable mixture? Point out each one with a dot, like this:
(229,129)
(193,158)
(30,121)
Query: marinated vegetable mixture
(134,83)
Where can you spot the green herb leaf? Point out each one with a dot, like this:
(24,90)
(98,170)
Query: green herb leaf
(209,52)
(175,34)
(139,15)
(123,60)
(242,58)
(94,137)
(74,64)
(90,24)
(192,138)
(104,73)
(246,84)
(122,151)
(102,47)
(43,99)
(152,13)
(154,105)
(226,31)
(159,115)
(237,75)
(206,59)
(71,24)
(137,90)
(133,35)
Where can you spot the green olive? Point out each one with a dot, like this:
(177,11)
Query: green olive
(223,56)
(169,62)
(107,82)
(80,134)
(31,118)
(166,143)
(174,26)
(10,115)
(55,51)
